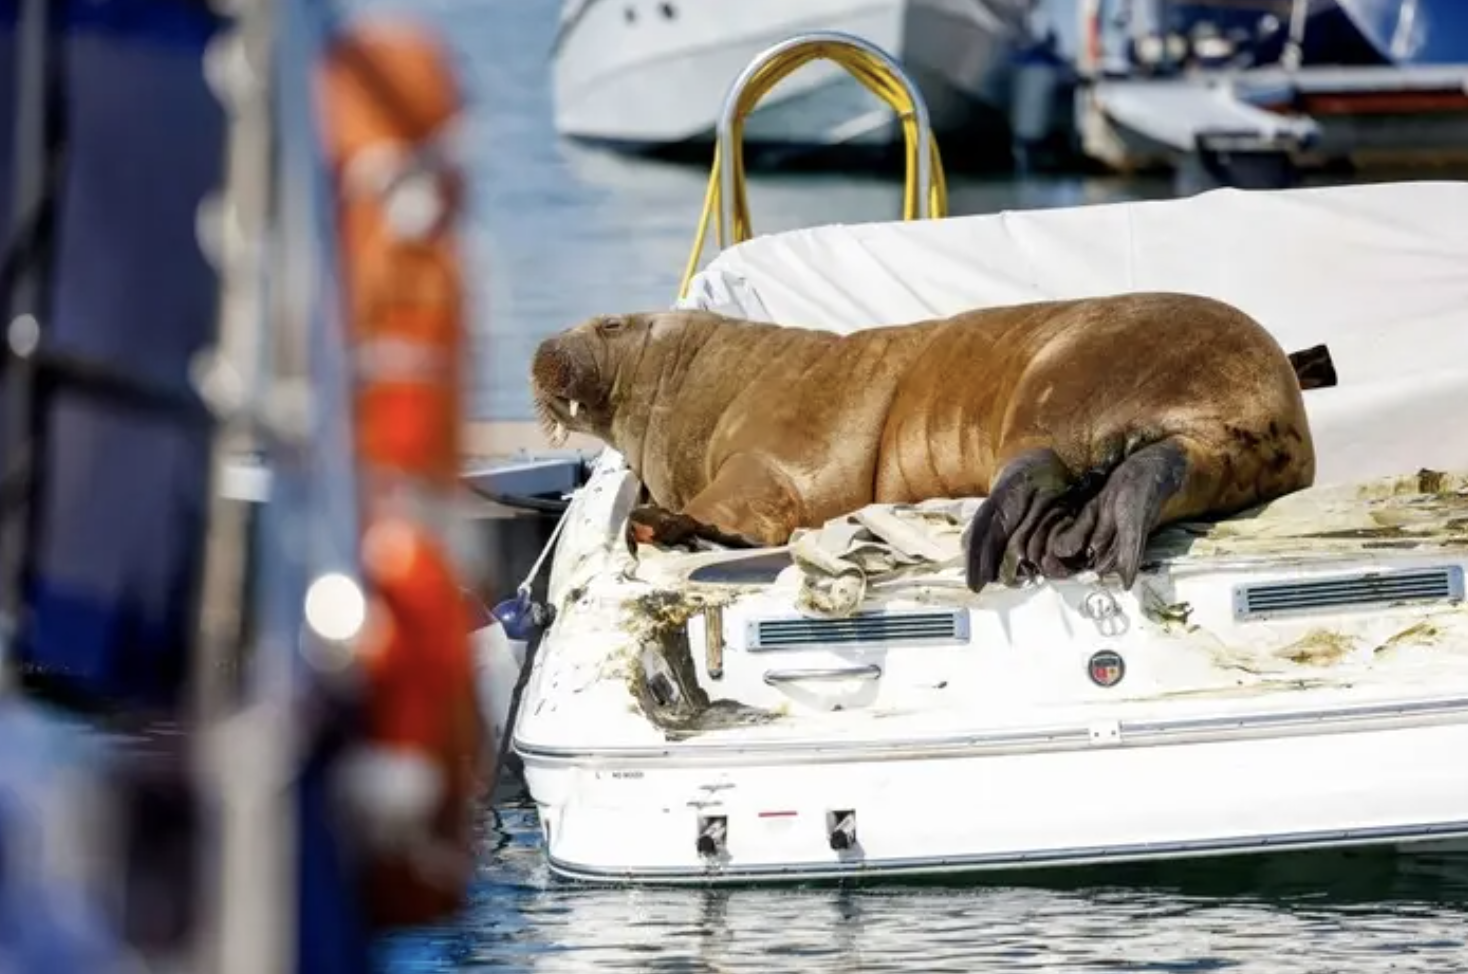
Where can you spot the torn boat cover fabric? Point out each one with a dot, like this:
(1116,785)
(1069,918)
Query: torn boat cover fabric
(879,543)
(1378,273)
(882,546)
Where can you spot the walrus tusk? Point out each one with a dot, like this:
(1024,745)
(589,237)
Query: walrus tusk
(575,408)
(558,434)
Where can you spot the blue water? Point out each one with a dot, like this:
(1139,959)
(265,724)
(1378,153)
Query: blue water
(1327,914)
(558,234)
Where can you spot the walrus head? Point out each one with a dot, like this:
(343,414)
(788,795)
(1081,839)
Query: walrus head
(575,375)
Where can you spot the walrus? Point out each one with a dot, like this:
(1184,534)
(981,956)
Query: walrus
(1086,424)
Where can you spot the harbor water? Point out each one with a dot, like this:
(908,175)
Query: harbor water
(560,233)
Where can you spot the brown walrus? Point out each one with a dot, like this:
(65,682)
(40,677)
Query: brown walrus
(1086,423)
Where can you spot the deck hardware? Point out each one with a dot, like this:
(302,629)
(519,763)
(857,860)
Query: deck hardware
(661,681)
(1346,592)
(870,671)
(713,833)
(725,207)
(1100,604)
(1106,668)
(1105,613)
(943,628)
(841,829)
(713,641)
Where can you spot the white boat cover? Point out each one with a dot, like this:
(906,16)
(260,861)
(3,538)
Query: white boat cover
(1377,272)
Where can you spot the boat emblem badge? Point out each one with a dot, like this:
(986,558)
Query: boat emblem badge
(1106,668)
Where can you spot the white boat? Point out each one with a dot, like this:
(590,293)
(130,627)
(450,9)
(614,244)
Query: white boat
(651,75)
(1291,678)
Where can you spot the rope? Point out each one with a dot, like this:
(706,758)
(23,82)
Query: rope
(523,589)
(876,78)
(541,617)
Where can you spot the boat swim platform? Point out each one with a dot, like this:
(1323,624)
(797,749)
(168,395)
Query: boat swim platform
(1307,116)
(517,460)
(486,440)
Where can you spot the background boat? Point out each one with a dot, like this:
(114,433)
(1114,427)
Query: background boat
(1400,33)
(649,76)
(1245,33)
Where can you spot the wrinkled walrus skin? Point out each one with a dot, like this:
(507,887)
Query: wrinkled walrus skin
(1087,423)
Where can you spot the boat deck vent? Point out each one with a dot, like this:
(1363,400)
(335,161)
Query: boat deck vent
(1364,590)
(928,628)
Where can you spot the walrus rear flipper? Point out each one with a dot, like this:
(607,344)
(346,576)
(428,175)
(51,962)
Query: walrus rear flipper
(1030,496)
(1314,367)
(1041,518)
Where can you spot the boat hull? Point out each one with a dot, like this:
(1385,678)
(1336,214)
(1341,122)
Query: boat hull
(656,86)
(981,806)
(1295,678)
(964,753)
(1426,32)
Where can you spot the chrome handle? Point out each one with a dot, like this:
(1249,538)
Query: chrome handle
(724,132)
(871,671)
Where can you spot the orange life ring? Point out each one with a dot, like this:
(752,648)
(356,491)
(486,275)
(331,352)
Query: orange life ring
(387,100)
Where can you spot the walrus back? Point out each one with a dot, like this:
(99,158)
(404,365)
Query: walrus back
(1096,380)
(1215,379)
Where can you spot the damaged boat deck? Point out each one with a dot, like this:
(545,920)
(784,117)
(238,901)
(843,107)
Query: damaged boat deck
(658,650)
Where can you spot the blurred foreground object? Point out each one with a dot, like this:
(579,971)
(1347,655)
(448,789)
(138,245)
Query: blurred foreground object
(388,99)
(235,650)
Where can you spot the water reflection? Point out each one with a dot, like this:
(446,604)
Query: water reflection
(1332,912)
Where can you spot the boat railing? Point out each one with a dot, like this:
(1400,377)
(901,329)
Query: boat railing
(925,193)
(1294,50)
(279,696)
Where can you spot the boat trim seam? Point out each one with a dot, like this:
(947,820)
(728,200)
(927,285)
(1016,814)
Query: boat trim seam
(1132,734)
(1072,856)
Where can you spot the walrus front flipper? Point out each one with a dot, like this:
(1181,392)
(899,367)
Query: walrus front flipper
(747,505)
(653,525)
(751,500)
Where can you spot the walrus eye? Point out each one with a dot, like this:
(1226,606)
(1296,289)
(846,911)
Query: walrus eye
(610,326)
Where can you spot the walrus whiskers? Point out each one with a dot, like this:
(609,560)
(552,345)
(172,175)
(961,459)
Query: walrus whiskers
(554,430)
